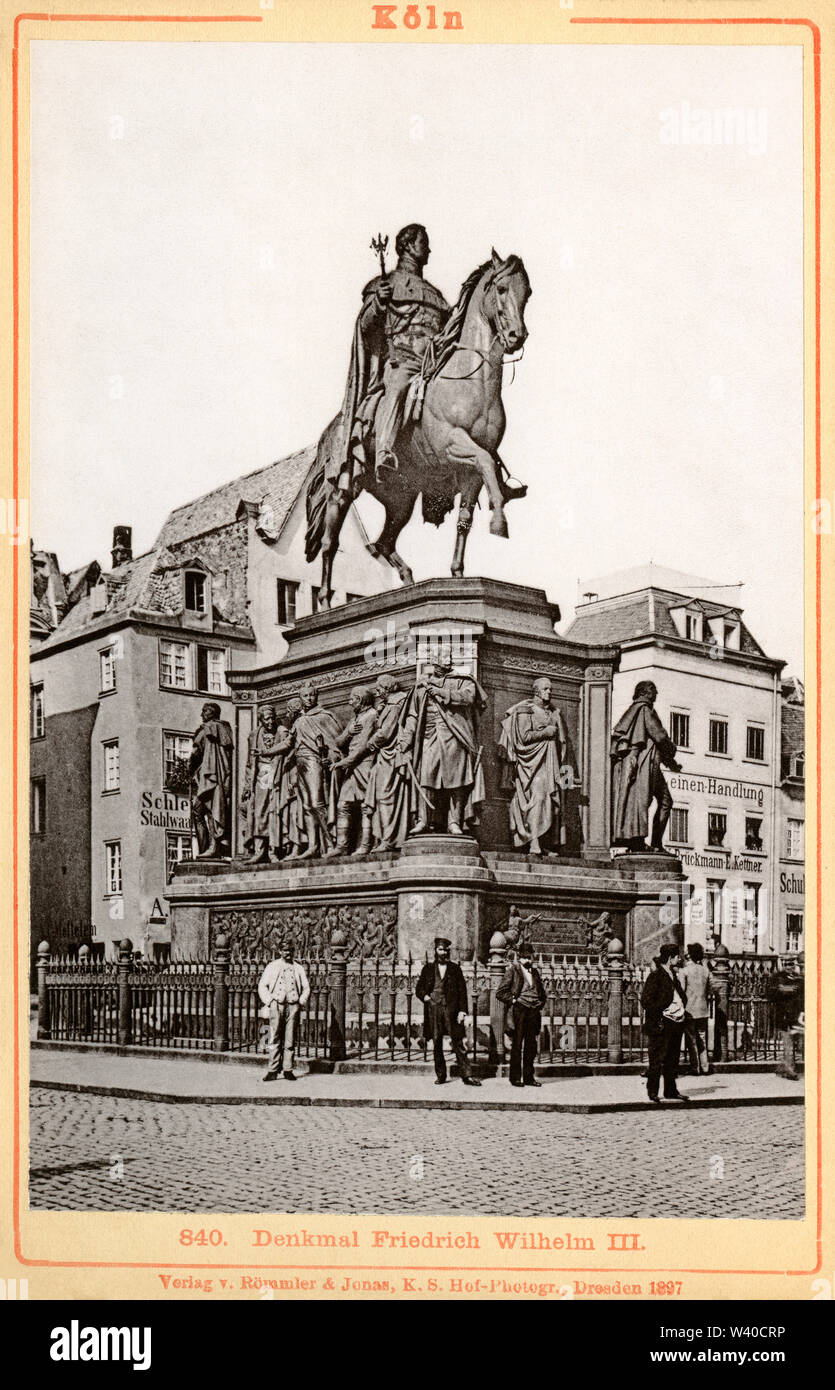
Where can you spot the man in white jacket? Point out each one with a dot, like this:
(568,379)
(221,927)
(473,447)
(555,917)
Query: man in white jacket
(283,990)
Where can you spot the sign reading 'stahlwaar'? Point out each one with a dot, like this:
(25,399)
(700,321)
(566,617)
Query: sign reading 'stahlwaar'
(165,809)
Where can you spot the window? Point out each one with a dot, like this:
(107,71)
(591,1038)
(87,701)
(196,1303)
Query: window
(794,931)
(753,832)
(717,828)
(211,670)
(794,839)
(314,599)
(196,592)
(176,750)
(755,743)
(37,806)
(680,729)
(693,627)
(107,669)
(177,851)
(111,765)
(174,665)
(715,888)
(38,717)
(680,825)
(112,867)
(286,592)
(718,736)
(730,632)
(798,765)
(751,903)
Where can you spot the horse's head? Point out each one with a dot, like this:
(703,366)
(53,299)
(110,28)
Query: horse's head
(506,291)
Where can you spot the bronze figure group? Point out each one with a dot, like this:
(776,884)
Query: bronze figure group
(407,761)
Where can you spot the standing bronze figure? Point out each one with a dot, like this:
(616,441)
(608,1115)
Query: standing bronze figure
(640,745)
(210,769)
(423,411)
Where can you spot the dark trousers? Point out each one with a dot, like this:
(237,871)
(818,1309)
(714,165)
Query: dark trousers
(442,1024)
(664,1048)
(526,1025)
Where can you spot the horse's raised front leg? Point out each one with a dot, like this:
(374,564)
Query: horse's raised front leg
(461,448)
(336,510)
(466,507)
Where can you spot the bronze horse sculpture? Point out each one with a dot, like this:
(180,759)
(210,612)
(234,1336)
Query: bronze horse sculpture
(450,445)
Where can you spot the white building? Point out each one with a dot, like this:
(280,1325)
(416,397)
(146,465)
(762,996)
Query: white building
(721,699)
(122,661)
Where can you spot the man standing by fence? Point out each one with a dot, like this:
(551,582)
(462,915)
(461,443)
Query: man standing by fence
(697,991)
(523,990)
(785,992)
(662,1000)
(443,993)
(283,990)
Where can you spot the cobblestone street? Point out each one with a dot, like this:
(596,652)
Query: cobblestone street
(101,1153)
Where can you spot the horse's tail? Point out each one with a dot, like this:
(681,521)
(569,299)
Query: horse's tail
(315,509)
(316,497)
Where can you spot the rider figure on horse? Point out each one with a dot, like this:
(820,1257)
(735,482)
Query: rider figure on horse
(400,315)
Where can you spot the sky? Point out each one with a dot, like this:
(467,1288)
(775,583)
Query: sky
(201,220)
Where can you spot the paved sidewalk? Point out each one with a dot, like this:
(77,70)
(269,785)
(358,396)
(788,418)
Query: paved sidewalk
(185,1080)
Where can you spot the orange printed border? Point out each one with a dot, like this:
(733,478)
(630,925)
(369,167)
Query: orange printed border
(16,581)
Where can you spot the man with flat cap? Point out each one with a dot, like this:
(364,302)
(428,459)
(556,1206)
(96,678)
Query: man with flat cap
(443,993)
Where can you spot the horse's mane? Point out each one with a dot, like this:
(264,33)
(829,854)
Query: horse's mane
(442,345)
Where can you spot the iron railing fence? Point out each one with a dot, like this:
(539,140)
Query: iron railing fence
(365,1008)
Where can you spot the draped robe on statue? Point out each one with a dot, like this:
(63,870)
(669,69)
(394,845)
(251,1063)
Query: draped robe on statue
(263,765)
(211,762)
(640,744)
(388,792)
(537,794)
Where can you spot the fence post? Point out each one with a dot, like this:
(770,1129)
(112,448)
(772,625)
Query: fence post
(220,970)
(614,1020)
(123,969)
(43,997)
(497,963)
(338,981)
(721,971)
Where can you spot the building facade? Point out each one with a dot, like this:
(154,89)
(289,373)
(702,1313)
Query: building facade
(122,662)
(737,810)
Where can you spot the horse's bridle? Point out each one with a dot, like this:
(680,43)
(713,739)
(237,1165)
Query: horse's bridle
(498,317)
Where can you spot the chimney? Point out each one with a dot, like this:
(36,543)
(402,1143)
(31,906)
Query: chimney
(589,596)
(121,551)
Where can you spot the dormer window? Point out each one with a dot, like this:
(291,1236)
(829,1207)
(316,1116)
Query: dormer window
(693,627)
(197,595)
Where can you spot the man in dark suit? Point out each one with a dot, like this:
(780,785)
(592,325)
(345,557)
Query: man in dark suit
(662,1000)
(522,989)
(443,993)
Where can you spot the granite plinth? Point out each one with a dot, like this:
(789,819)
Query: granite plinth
(463,887)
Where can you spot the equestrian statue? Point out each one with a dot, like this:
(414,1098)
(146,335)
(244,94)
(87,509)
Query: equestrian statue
(422,413)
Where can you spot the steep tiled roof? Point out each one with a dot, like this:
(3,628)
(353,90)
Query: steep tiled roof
(278,484)
(617,623)
(792,732)
(648,614)
(151,583)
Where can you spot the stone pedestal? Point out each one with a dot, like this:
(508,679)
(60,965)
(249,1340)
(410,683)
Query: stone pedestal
(467,887)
